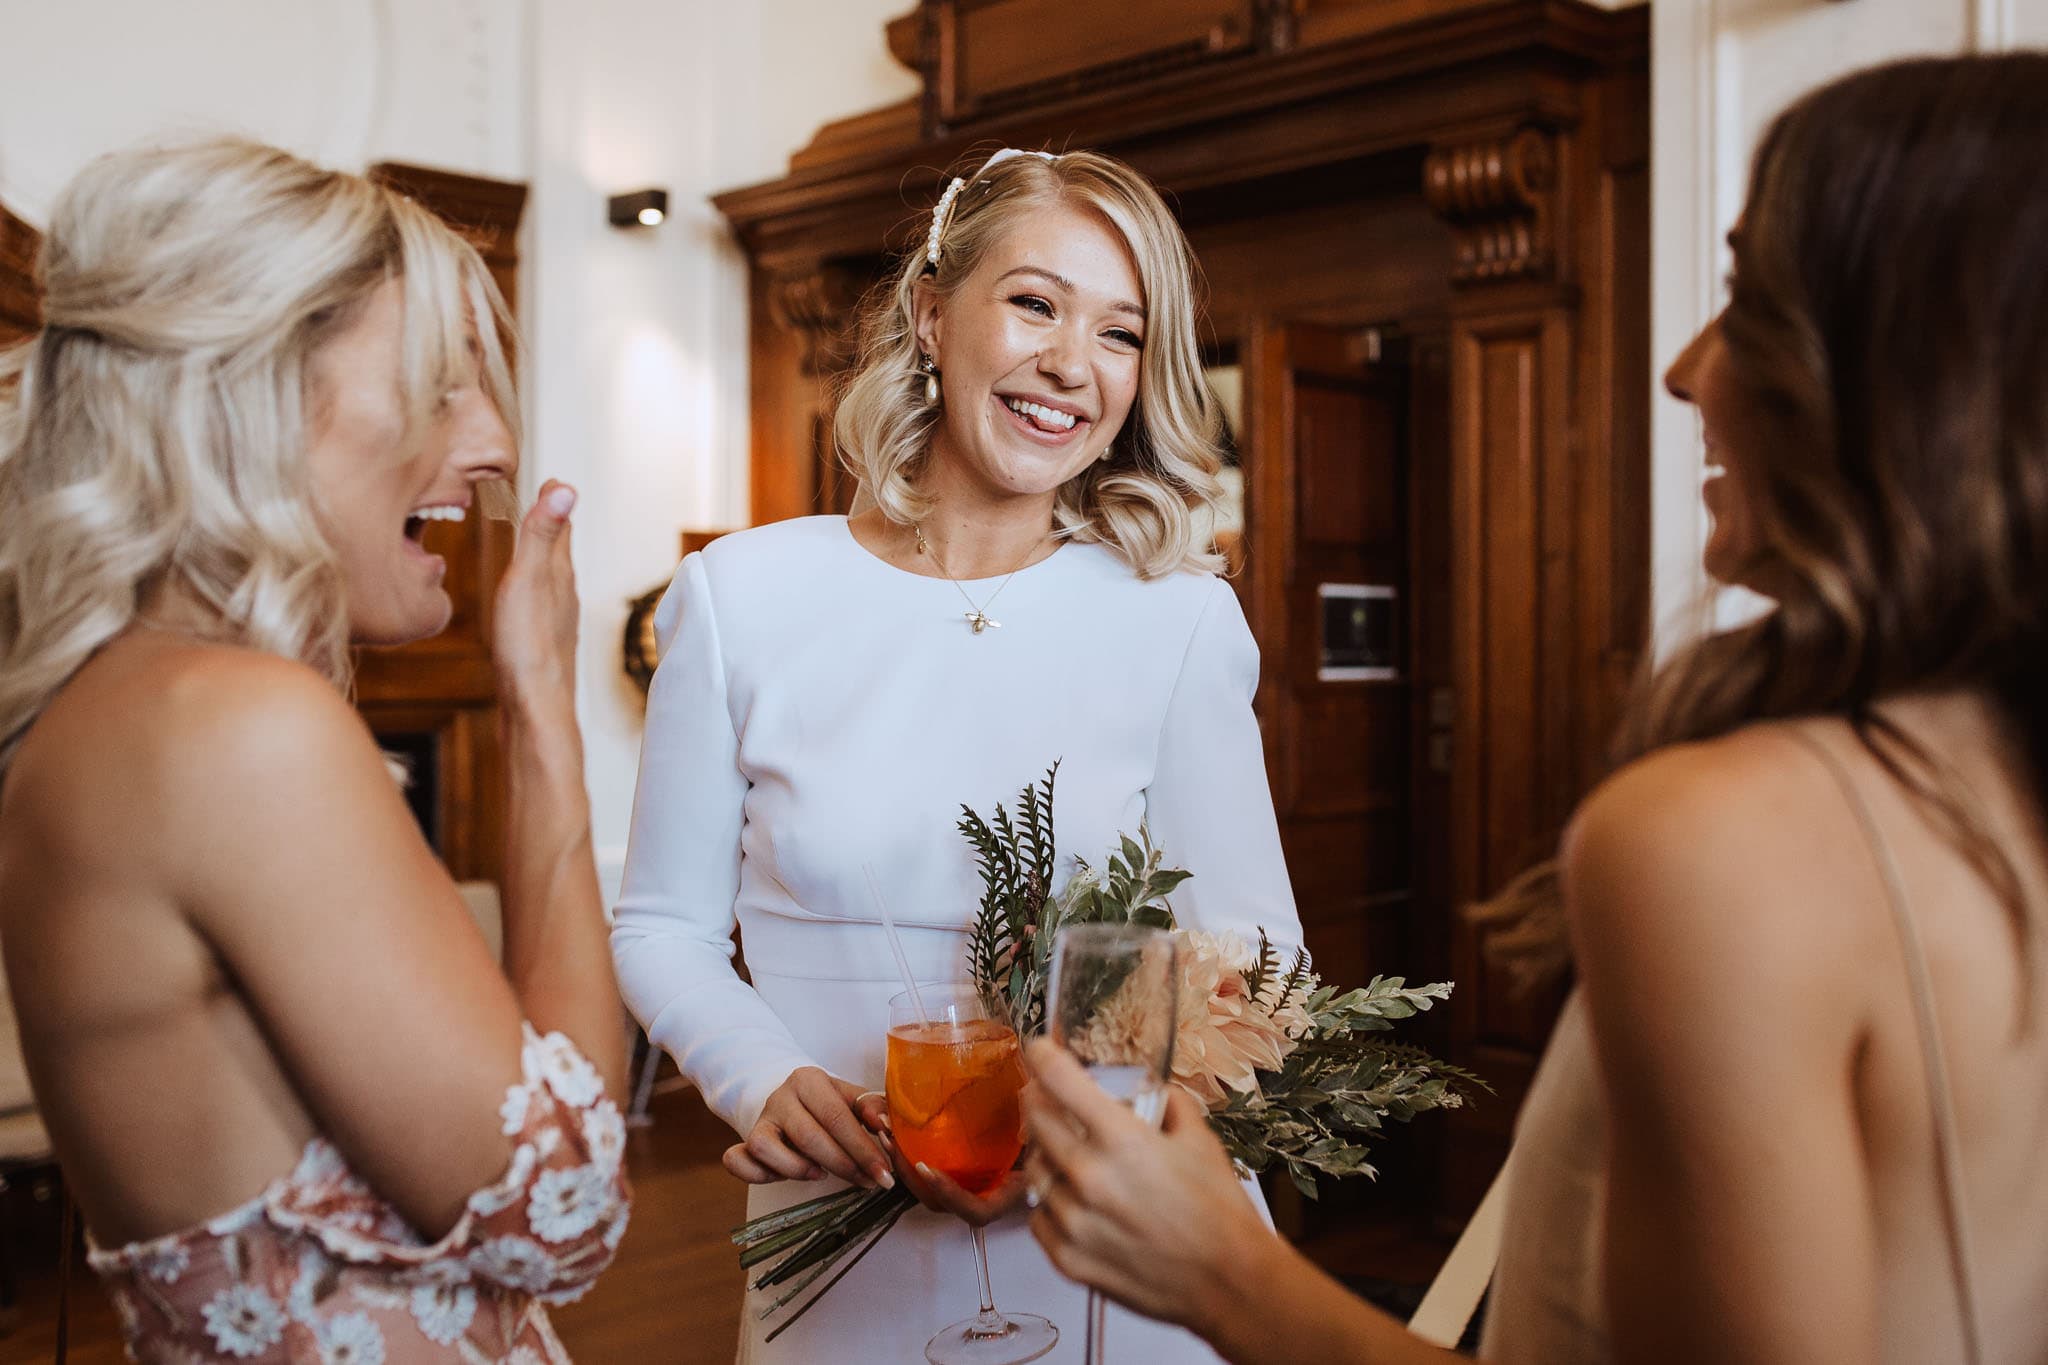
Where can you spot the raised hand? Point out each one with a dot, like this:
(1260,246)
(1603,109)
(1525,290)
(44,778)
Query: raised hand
(534,644)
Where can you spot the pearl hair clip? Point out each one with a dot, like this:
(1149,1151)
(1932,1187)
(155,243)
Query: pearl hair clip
(942,213)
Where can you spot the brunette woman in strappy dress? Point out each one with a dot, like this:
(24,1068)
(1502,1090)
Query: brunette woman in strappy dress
(1795,1110)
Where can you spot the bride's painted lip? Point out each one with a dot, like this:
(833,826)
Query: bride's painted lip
(1045,401)
(1052,439)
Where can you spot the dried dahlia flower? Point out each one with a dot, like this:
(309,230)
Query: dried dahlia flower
(1225,1034)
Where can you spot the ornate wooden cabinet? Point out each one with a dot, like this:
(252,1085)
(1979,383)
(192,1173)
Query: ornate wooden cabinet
(1424,225)
(435,701)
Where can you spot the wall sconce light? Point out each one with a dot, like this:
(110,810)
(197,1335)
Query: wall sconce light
(641,208)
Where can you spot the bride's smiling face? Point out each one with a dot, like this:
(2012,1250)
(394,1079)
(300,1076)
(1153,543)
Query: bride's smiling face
(1039,353)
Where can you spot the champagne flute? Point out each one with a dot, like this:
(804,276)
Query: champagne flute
(1111,1003)
(954,1082)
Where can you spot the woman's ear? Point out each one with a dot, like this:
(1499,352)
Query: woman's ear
(927,312)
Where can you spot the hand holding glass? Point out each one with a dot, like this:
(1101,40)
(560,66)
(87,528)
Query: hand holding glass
(1111,1003)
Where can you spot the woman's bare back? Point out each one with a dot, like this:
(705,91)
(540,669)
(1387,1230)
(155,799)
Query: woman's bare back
(1990,997)
(206,875)
(145,1059)
(1772,1124)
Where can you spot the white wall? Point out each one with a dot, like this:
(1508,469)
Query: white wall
(347,82)
(639,383)
(1721,69)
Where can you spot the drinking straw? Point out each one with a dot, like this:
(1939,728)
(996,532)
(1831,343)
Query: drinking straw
(895,943)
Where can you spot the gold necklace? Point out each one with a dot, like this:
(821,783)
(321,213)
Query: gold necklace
(977,612)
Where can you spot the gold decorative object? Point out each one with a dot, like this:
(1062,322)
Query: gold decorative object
(642,651)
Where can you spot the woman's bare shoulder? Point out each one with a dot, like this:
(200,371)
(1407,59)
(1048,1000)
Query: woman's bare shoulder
(1728,844)
(182,731)
(1756,783)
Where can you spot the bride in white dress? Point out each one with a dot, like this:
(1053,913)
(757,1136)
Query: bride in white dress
(1030,580)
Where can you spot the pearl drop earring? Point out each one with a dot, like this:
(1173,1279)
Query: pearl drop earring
(931,382)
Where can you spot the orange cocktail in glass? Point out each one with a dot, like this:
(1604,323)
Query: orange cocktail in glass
(955,1076)
(953,1098)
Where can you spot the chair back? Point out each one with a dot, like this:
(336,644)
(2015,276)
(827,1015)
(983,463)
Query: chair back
(21,1132)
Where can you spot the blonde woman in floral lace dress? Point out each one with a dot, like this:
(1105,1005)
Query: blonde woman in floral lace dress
(306,1116)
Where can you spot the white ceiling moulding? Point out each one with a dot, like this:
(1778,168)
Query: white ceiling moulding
(1993,25)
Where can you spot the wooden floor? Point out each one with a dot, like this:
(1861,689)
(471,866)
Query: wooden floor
(674,1292)
(672,1295)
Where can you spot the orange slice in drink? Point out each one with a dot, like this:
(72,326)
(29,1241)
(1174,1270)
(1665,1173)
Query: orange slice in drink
(930,1065)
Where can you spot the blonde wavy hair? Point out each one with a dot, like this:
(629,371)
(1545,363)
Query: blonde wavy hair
(1153,501)
(153,433)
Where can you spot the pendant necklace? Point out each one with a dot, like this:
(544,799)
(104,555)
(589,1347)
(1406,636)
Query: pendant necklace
(977,615)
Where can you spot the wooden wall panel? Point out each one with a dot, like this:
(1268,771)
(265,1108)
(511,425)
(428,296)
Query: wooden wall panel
(444,688)
(1549,382)
(20,313)
(1496,380)
(1323,21)
(1326,458)
(1494,432)
(804,331)
(1614,501)
(992,55)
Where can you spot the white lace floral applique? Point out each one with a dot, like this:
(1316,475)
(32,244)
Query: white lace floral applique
(320,1268)
(243,1321)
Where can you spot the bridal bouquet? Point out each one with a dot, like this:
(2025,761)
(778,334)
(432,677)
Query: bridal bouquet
(1294,1073)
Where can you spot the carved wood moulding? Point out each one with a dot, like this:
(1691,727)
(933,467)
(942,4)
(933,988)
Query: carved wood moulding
(818,307)
(487,212)
(20,311)
(983,58)
(1388,87)
(1499,195)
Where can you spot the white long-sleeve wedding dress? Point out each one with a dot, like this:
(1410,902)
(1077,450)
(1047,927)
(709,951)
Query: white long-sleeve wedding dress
(817,709)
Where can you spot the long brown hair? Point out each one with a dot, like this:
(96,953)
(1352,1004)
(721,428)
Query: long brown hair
(1888,324)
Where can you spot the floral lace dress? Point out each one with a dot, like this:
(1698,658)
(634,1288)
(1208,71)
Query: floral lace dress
(318,1268)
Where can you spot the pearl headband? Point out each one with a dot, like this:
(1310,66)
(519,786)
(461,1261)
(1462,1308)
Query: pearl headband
(942,213)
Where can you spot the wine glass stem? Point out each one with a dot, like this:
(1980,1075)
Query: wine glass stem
(1093,1348)
(989,1320)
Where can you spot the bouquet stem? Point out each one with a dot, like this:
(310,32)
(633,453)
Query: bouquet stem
(804,1241)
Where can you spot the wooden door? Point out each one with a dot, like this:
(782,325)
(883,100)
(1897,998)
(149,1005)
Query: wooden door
(1327,542)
